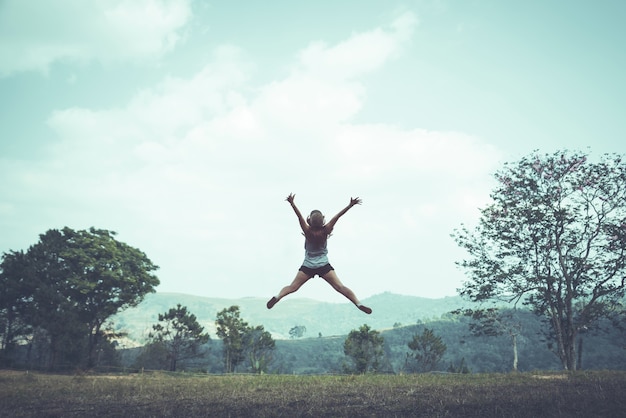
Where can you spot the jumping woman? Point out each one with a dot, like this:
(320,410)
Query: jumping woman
(316,234)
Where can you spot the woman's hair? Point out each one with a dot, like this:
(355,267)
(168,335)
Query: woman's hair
(316,219)
(316,232)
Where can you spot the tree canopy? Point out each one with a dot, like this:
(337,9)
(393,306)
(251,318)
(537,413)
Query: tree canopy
(259,346)
(70,282)
(181,335)
(241,341)
(232,329)
(365,348)
(554,237)
(428,349)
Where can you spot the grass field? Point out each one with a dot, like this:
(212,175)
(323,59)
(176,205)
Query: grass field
(581,394)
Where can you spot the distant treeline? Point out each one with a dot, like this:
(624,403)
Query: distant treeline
(603,349)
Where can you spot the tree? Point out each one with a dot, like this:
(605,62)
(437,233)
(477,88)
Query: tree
(109,276)
(297,332)
(181,335)
(365,347)
(231,329)
(73,281)
(495,322)
(554,238)
(259,346)
(428,349)
(13,303)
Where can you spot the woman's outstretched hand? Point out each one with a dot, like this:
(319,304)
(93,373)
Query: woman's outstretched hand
(290,198)
(355,201)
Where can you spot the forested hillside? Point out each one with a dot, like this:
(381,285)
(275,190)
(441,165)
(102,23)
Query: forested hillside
(320,350)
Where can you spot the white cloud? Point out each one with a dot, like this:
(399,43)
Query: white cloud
(35,35)
(380,150)
(300,102)
(361,53)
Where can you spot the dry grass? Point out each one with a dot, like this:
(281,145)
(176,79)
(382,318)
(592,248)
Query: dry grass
(182,395)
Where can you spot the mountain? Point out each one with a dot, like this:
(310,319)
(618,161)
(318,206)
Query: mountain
(319,318)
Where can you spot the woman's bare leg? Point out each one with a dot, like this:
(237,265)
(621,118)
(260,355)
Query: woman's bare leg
(300,279)
(333,280)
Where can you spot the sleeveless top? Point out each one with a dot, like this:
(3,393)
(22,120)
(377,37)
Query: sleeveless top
(315,255)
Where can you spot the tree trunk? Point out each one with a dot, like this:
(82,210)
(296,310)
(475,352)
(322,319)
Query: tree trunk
(570,339)
(94,335)
(570,349)
(514,352)
(565,336)
(560,340)
(227,363)
(568,352)
(580,353)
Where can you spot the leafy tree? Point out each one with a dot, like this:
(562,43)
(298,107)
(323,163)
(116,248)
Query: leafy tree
(109,276)
(259,346)
(428,349)
(495,322)
(232,330)
(71,282)
(13,303)
(365,347)
(297,332)
(51,288)
(181,335)
(554,237)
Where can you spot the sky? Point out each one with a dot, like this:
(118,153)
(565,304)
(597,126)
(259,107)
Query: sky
(183,125)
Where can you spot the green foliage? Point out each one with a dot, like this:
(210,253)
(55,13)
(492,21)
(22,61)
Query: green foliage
(241,341)
(67,285)
(231,328)
(297,332)
(602,350)
(365,348)
(554,237)
(180,334)
(259,346)
(13,304)
(428,349)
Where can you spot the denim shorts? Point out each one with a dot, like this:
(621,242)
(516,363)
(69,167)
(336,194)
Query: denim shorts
(318,271)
